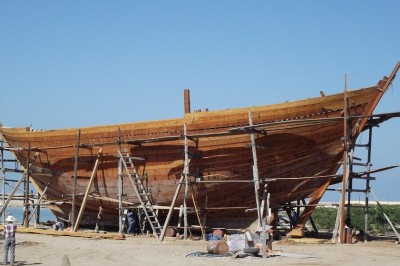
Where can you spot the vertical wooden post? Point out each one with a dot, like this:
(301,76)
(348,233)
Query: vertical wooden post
(186,174)
(37,210)
(26,190)
(37,207)
(180,215)
(205,213)
(264,227)
(3,180)
(73,207)
(367,188)
(186,99)
(345,164)
(99,219)
(120,184)
(255,170)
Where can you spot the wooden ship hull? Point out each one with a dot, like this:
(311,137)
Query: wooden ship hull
(298,148)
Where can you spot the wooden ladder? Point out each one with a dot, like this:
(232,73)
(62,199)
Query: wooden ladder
(141,192)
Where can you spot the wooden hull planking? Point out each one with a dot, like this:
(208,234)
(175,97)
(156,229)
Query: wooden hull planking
(294,140)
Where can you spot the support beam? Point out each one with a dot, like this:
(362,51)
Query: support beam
(39,201)
(367,187)
(186,175)
(255,170)
(306,213)
(26,192)
(265,198)
(3,180)
(171,209)
(99,219)
(120,185)
(346,168)
(83,205)
(73,205)
(311,219)
(203,234)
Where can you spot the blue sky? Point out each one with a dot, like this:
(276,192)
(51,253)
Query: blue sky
(82,63)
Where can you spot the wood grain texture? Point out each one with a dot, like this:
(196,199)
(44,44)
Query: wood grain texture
(297,142)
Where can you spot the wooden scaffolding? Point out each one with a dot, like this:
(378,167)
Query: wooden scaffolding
(127,169)
(27,198)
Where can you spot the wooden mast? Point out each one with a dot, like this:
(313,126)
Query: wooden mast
(187,100)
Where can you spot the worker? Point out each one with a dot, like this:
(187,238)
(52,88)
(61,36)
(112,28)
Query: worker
(9,240)
(131,218)
(58,226)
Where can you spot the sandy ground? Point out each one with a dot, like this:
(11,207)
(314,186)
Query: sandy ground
(36,249)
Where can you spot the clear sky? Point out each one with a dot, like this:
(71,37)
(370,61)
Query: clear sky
(83,63)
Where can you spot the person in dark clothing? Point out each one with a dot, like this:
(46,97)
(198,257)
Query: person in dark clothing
(131,219)
(9,240)
(58,226)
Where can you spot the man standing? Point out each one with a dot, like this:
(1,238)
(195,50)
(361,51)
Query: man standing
(9,240)
(131,222)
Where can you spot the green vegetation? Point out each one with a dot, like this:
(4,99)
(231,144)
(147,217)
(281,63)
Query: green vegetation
(325,218)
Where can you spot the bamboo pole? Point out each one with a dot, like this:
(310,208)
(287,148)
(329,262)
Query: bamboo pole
(3,180)
(39,201)
(26,191)
(180,214)
(264,227)
(367,186)
(345,164)
(80,214)
(198,217)
(73,205)
(205,213)
(255,170)
(185,174)
(120,179)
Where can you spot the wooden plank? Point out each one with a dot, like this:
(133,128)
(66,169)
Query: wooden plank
(52,232)
(83,205)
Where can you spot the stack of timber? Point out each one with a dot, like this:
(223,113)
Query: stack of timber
(299,148)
